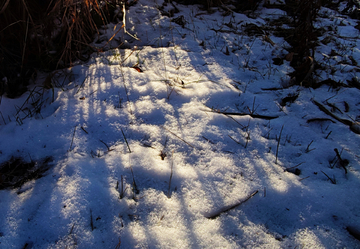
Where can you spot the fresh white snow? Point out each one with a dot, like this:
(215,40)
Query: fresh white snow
(173,110)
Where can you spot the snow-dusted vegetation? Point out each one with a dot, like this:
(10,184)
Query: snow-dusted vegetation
(190,127)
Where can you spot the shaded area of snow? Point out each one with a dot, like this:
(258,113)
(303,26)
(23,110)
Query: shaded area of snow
(173,108)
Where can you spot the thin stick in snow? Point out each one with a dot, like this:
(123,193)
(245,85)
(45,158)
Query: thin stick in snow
(297,165)
(108,148)
(72,228)
(343,162)
(135,189)
(118,244)
(91,221)
(234,139)
(225,209)
(84,130)
(277,147)
(308,147)
(72,140)
(122,192)
(328,135)
(245,114)
(171,174)
(125,140)
(179,137)
(82,84)
(333,181)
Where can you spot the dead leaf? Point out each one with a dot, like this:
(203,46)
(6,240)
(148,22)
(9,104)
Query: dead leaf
(138,69)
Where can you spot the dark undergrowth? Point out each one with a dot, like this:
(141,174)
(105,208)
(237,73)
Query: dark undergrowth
(46,35)
(16,171)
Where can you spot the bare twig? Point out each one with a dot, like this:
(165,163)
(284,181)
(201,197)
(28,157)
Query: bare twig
(178,137)
(122,190)
(343,162)
(91,221)
(108,148)
(248,134)
(208,140)
(125,140)
(242,127)
(234,139)
(245,114)
(225,209)
(135,189)
(297,165)
(124,23)
(118,244)
(308,147)
(72,228)
(333,181)
(277,147)
(304,178)
(82,84)
(84,130)
(72,140)
(171,174)
(328,135)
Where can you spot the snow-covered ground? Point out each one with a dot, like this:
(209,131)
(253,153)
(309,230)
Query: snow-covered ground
(171,142)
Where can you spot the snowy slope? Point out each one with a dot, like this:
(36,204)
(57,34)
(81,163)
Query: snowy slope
(164,129)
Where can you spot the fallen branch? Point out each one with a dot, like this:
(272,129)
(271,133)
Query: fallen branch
(225,209)
(245,114)
(273,89)
(319,120)
(354,127)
